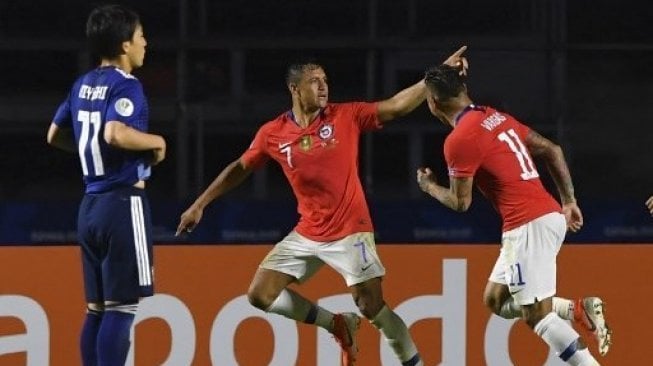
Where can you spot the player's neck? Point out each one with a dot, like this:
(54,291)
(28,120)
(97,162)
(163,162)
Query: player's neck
(304,118)
(458,107)
(119,62)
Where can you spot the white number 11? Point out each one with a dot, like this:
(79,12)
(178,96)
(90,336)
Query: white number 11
(87,119)
(517,147)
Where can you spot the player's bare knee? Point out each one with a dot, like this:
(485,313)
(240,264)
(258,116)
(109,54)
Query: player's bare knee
(259,299)
(493,303)
(369,306)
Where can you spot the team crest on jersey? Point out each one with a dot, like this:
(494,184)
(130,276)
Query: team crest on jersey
(124,107)
(306,142)
(326,131)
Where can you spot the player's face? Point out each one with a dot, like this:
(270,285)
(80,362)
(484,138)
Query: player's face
(136,48)
(313,89)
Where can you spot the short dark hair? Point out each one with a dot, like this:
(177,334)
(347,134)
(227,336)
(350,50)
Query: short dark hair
(444,81)
(107,27)
(296,69)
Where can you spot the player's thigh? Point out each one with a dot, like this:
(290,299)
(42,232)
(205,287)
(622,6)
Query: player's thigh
(495,294)
(295,256)
(266,286)
(92,250)
(354,257)
(529,253)
(127,269)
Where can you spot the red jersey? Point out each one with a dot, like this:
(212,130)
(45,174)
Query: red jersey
(321,164)
(489,145)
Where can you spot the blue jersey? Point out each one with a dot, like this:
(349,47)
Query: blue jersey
(101,95)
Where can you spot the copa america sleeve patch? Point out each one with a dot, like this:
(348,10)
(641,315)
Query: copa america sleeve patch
(124,107)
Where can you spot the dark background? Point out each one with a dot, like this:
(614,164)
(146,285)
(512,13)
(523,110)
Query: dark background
(576,71)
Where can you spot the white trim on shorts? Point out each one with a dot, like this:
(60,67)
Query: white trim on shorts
(140,242)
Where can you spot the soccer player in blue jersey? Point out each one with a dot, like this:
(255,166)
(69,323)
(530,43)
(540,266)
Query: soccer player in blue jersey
(104,119)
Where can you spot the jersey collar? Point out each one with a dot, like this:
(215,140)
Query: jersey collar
(463,112)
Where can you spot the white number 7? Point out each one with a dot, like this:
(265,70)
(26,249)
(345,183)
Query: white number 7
(525,162)
(286,148)
(90,118)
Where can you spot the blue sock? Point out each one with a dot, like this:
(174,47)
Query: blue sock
(113,338)
(88,338)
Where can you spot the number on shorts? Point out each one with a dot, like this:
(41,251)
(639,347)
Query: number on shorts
(363,251)
(515,274)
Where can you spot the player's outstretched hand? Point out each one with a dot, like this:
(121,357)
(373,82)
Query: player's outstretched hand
(649,204)
(189,219)
(458,60)
(425,178)
(573,215)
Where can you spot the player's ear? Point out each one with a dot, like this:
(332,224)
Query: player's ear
(125,47)
(292,87)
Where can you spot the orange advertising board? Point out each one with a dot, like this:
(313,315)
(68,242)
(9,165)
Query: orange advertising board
(200,315)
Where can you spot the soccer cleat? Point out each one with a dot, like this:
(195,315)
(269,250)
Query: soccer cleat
(590,311)
(345,326)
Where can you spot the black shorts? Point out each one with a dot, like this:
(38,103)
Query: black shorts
(115,232)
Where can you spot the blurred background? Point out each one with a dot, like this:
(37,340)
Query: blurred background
(576,71)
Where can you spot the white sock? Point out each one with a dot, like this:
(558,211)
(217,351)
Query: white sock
(292,305)
(583,357)
(564,308)
(564,340)
(510,310)
(395,332)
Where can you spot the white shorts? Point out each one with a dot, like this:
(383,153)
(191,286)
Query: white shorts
(527,262)
(353,256)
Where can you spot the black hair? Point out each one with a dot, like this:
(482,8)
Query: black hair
(296,69)
(107,27)
(444,81)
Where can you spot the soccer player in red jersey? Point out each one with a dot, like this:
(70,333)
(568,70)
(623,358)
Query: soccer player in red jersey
(494,149)
(316,144)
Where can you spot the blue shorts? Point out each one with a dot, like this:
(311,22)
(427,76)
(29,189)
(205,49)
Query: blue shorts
(115,232)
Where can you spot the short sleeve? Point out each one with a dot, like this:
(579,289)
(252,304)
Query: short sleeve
(256,155)
(522,130)
(125,103)
(62,117)
(366,115)
(463,157)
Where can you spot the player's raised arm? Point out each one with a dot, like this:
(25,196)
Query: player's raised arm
(406,100)
(230,177)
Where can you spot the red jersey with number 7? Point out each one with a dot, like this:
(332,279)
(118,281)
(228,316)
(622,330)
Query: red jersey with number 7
(321,165)
(489,145)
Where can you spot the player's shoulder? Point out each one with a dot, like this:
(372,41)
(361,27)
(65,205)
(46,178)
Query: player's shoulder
(332,108)
(276,123)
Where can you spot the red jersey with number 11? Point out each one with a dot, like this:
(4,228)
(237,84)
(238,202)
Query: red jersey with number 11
(321,164)
(489,145)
